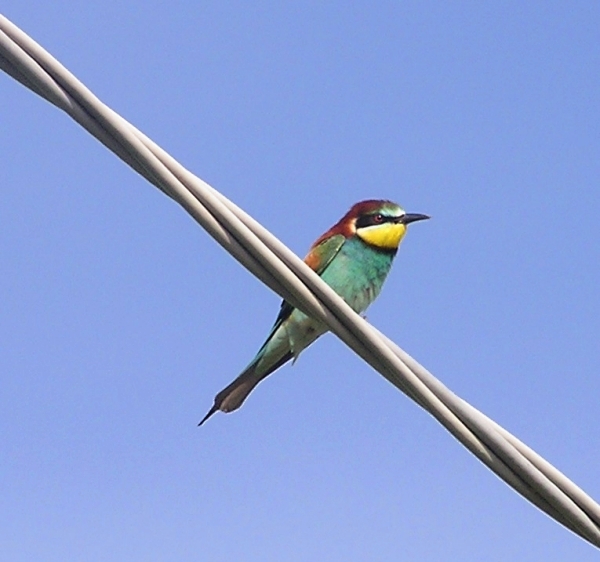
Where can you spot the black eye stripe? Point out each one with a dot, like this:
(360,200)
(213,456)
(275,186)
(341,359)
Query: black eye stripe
(373,220)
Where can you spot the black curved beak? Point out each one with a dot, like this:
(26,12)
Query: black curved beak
(407,218)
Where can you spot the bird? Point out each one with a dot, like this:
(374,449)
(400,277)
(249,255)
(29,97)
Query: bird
(354,258)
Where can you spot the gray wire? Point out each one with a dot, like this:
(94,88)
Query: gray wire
(281,270)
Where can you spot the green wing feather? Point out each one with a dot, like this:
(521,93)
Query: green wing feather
(318,259)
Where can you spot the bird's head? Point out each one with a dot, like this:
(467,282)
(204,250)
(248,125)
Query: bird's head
(381,224)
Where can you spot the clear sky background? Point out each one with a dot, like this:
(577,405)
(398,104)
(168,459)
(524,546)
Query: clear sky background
(120,318)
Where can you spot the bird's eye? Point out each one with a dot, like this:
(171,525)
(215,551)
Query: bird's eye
(378,218)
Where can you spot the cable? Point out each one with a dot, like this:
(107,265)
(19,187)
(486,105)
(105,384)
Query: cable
(281,270)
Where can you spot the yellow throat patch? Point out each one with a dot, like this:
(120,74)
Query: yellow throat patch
(385,236)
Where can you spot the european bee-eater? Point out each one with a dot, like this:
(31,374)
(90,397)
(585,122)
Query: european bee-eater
(353,257)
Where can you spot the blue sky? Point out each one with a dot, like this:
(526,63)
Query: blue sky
(121,318)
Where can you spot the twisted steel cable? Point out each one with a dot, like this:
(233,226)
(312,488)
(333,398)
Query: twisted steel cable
(281,270)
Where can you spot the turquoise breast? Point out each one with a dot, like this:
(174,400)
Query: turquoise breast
(357,272)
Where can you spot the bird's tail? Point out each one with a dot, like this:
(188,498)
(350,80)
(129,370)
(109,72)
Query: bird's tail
(233,395)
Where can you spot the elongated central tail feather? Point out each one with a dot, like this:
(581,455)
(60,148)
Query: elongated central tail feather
(233,395)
